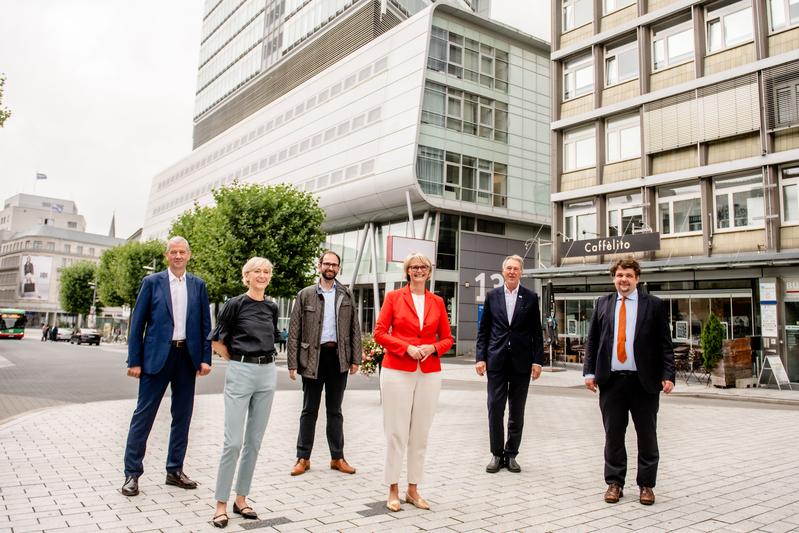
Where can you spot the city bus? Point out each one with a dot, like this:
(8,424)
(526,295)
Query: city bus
(12,323)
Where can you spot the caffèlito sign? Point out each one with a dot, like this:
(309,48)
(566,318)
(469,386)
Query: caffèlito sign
(642,242)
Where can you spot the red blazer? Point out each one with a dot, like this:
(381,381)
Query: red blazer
(398,327)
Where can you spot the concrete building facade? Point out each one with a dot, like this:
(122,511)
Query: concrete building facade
(675,135)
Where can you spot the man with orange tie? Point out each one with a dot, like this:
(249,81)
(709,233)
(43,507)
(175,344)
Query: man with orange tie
(630,358)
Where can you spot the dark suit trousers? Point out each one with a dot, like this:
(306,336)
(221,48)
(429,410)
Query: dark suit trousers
(511,387)
(330,378)
(178,372)
(623,394)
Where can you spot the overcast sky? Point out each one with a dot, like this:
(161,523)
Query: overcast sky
(102,95)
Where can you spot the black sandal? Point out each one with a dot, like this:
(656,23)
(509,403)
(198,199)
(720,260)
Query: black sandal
(222,522)
(245,512)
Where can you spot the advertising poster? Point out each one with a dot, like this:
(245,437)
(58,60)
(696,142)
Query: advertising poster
(35,273)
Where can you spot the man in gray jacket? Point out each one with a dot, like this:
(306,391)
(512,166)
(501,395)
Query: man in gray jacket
(324,343)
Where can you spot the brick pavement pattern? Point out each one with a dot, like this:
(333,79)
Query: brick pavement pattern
(723,468)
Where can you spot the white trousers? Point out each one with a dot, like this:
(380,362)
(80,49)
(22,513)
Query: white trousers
(409,405)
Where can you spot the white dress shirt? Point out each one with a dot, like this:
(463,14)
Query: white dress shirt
(631,311)
(510,301)
(329,323)
(180,300)
(418,303)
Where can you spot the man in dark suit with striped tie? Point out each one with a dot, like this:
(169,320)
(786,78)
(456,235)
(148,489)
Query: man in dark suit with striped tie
(630,358)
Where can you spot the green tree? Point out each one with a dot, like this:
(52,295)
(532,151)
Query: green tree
(122,268)
(278,222)
(711,340)
(4,112)
(76,293)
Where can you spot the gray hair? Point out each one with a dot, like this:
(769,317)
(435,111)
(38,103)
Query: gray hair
(252,264)
(177,239)
(513,257)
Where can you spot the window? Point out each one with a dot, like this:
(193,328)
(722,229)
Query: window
(623,139)
(739,202)
(790,194)
(72,225)
(468,59)
(79,250)
(461,177)
(728,25)
(783,13)
(679,209)
(609,6)
(621,63)
(576,13)
(625,214)
(786,103)
(672,45)
(579,149)
(578,77)
(465,112)
(579,220)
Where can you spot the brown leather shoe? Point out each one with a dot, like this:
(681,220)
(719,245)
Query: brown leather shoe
(613,493)
(342,466)
(647,496)
(301,466)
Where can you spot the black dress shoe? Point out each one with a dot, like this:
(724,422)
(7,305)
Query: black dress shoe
(179,479)
(131,486)
(512,465)
(494,465)
(245,512)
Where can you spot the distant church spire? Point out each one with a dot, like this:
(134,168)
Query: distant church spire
(112,231)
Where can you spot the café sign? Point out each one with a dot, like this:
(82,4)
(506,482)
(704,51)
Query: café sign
(642,242)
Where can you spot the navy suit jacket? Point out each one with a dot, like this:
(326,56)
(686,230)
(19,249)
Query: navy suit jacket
(520,338)
(152,323)
(652,347)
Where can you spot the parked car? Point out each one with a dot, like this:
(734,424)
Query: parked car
(85,335)
(64,334)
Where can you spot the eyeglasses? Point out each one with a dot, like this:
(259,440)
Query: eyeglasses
(419,267)
(330,265)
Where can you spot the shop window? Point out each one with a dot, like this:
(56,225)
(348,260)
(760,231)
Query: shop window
(579,149)
(623,138)
(625,215)
(576,13)
(728,24)
(579,220)
(578,77)
(621,63)
(739,202)
(783,14)
(672,45)
(679,209)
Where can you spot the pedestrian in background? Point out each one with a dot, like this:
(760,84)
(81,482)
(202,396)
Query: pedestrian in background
(45,332)
(413,327)
(324,344)
(167,347)
(245,336)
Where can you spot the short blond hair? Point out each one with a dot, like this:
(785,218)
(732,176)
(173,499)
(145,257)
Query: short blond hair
(416,256)
(252,264)
(513,257)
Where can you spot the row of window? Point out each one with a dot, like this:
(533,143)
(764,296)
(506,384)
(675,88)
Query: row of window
(468,59)
(245,40)
(351,172)
(724,21)
(309,143)
(462,177)
(310,17)
(277,120)
(737,204)
(236,22)
(622,142)
(48,246)
(465,112)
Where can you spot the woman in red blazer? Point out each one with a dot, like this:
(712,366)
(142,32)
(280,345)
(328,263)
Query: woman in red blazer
(413,327)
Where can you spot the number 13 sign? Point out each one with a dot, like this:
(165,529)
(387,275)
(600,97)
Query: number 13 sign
(480,279)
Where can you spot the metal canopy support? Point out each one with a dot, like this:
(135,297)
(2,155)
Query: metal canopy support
(410,215)
(375,286)
(425,222)
(436,225)
(361,246)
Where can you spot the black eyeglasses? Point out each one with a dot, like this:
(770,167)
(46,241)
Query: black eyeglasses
(419,267)
(330,265)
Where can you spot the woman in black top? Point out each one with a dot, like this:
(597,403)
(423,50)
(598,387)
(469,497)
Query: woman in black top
(245,336)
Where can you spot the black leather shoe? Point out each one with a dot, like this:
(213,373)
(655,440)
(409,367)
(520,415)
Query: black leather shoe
(131,486)
(512,465)
(494,465)
(179,479)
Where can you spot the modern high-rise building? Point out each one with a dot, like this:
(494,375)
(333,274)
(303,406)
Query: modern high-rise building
(442,118)
(676,138)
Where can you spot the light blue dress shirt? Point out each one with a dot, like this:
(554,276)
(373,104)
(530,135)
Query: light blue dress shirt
(329,322)
(631,307)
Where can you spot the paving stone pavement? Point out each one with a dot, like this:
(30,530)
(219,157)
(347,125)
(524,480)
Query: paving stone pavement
(725,466)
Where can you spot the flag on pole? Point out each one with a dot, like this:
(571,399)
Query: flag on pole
(57,208)
(40,176)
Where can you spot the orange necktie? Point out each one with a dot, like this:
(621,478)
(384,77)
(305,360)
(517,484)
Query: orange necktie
(621,351)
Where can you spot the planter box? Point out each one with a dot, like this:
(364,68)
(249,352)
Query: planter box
(735,364)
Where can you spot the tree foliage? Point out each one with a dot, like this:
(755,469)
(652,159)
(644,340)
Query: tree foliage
(76,293)
(278,222)
(711,340)
(4,112)
(122,268)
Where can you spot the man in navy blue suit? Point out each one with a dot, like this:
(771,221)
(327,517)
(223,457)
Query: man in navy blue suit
(510,349)
(167,346)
